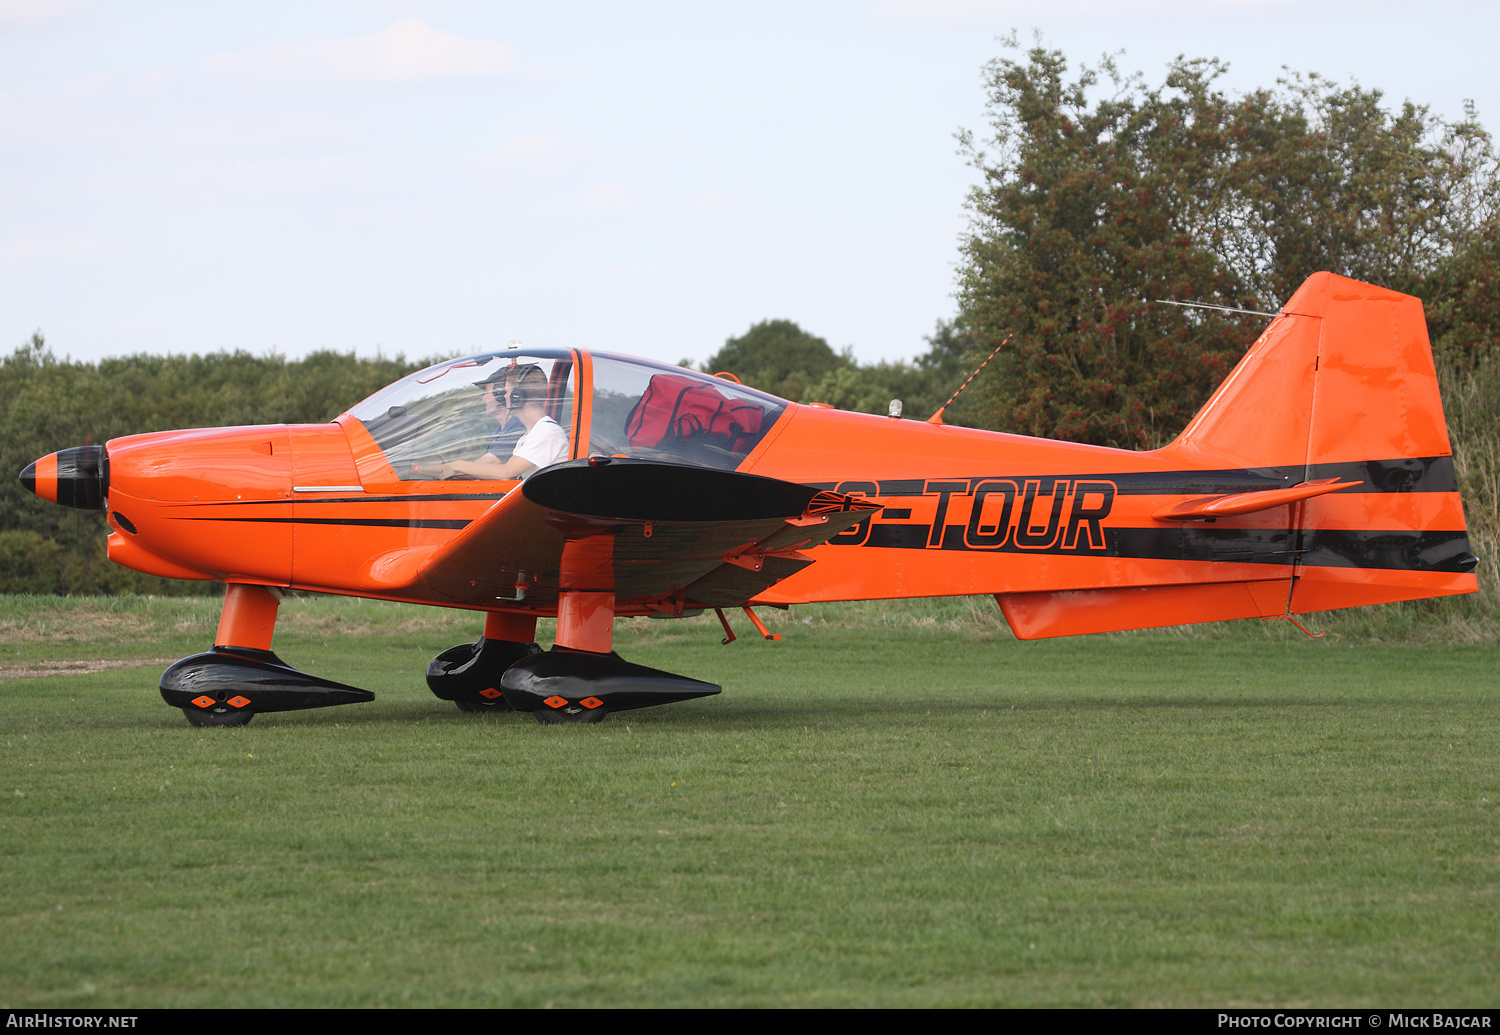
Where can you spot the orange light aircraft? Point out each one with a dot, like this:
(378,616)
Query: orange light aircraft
(1319,475)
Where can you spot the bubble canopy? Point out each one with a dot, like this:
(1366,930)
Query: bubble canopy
(630,407)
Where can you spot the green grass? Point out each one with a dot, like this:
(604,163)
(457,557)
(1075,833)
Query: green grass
(896,805)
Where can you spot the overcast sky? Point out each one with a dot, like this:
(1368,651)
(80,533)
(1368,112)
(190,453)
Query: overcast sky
(652,178)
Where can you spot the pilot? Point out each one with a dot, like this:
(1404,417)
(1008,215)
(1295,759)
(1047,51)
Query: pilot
(510,394)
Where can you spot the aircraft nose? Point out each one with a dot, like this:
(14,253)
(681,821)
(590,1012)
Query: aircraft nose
(76,477)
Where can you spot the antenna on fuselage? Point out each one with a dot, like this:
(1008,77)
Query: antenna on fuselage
(1221,308)
(937,418)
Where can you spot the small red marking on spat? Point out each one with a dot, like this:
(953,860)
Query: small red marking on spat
(238,701)
(489,692)
(556,702)
(204,701)
(592,702)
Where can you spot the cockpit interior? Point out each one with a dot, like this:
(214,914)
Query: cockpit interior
(630,407)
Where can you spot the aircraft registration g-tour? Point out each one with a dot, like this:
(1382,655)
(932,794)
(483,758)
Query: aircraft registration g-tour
(1319,475)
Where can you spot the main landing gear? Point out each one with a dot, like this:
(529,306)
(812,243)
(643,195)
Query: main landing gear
(579,680)
(469,674)
(565,685)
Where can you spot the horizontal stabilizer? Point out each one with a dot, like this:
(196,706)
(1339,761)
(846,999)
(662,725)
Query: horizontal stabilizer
(1208,507)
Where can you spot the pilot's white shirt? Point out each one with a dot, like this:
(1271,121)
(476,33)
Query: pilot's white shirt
(546,443)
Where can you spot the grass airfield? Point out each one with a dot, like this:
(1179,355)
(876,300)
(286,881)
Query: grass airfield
(897,805)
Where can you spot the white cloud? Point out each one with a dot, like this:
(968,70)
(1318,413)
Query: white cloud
(49,247)
(93,85)
(610,198)
(710,201)
(633,273)
(535,158)
(843,286)
(34,12)
(1001,15)
(291,174)
(951,13)
(112,82)
(259,132)
(12,112)
(408,50)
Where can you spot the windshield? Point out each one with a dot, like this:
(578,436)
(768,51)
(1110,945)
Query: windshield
(448,411)
(654,411)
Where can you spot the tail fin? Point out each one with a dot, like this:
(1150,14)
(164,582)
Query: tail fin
(1343,375)
(1343,383)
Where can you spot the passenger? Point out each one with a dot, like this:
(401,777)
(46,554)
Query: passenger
(503,441)
(518,393)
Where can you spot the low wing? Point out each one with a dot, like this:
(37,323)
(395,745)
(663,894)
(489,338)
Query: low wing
(662,537)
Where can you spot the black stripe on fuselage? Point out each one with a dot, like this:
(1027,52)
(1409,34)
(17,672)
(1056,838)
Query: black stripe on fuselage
(1411,474)
(372,522)
(1445,551)
(446,497)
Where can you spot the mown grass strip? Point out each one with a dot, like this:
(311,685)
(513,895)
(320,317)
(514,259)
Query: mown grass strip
(905,812)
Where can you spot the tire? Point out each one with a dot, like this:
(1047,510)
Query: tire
(219,715)
(569,715)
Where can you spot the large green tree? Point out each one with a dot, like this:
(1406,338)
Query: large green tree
(1101,195)
(777,356)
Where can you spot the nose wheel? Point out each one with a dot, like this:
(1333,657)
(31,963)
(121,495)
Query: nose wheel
(226,686)
(215,713)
